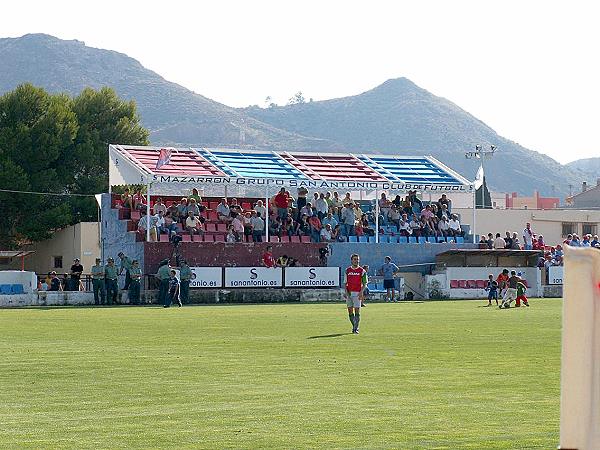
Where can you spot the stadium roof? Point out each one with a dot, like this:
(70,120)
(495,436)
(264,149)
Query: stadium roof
(170,170)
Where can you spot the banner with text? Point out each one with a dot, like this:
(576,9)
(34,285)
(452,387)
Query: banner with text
(555,275)
(312,276)
(206,277)
(250,277)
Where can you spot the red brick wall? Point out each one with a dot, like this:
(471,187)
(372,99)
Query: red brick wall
(207,254)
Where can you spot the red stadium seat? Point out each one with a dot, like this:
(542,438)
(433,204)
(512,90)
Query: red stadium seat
(481,284)
(471,284)
(454,284)
(186,238)
(462,284)
(285,239)
(246,206)
(205,204)
(213,205)
(305,239)
(209,238)
(222,228)
(273,238)
(210,227)
(164,238)
(212,216)
(135,215)
(295,239)
(118,204)
(219,238)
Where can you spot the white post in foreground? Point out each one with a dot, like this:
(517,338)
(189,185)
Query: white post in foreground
(377,216)
(147,212)
(268,214)
(580,370)
(474,214)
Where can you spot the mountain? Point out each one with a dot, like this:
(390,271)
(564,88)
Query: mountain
(588,167)
(172,113)
(400,117)
(397,117)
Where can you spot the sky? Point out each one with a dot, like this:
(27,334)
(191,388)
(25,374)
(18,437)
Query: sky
(529,69)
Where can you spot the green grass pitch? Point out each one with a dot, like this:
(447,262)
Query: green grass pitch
(446,374)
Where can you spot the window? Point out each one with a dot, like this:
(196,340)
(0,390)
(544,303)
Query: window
(568,228)
(588,228)
(58,262)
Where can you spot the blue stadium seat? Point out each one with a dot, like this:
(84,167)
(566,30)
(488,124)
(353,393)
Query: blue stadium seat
(352,239)
(432,239)
(363,239)
(441,239)
(402,239)
(460,240)
(422,239)
(372,239)
(384,238)
(5,289)
(412,239)
(16,289)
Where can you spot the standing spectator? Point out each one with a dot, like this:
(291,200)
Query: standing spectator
(508,241)
(246,221)
(134,285)
(267,259)
(139,201)
(444,201)
(388,270)
(315,228)
(258,226)
(159,206)
(336,204)
(185,275)
(259,208)
(173,291)
(76,271)
(112,289)
(282,201)
(301,201)
(55,282)
(499,242)
(238,226)
(126,266)
(98,283)
(235,206)
(527,238)
(348,218)
(163,275)
(515,242)
(321,206)
(195,195)
(193,225)
(490,241)
(384,208)
(182,210)
(159,221)
(126,199)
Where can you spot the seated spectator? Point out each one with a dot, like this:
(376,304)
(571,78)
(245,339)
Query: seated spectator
(182,210)
(174,211)
(329,219)
(443,226)
(235,206)
(55,284)
(303,227)
(575,242)
(404,226)
(426,229)
(499,242)
(558,251)
(407,206)
(326,233)
(594,241)
(288,226)
(127,199)
(427,213)
(193,225)
(258,226)
(306,210)
(337,235)
(194,208)
(367,228)
(231,236)
(358,228)
(538,243)
(275,226)
(443,212)
(585,242)
(139,201)
(159,206)
(260,208)
(223,211)
(415,226)
(169,226)
(454,226)
(397,202)
(282,261)
(394,215)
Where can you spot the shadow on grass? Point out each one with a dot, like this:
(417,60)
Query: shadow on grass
(328,336)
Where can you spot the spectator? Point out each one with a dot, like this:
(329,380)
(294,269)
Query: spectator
(443,201)
(348,218)
(394,215)
(499,242)
(235,206)
(397,202)
(282,261)
(230,237)
(326,233)
(483,242)
(193,225)
(415,226)
(182,210)
(585,242)
(258,226)
(404,226)
(260,208)
(127,199)
(43,286)
(315,228)
(246,221)
(490,241)
(223,211)
(515,242)
(267,259)
(195,195)
(594,241)
(528,237)
(159,221)
(169,226)
(538,244)
(329,219)
(238,226)
(443,226)
(384,207)
(142,226)
(336,204)
(282,202)
(301,201)
(303,227)
(508,240)
(454,225)
(193,207)
(159,206)
(174,211)
(367,229)
(55,284)
(575,241)
(306,210)
(139,201)
(321,206)
(337,235)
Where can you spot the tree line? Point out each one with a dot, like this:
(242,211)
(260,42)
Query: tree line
(56,143)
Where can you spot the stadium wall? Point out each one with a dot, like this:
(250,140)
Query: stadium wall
(115,237)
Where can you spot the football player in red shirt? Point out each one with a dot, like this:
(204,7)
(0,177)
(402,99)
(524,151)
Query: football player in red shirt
(355,285)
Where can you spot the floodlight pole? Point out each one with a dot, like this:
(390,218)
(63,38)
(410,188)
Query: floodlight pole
(481,154)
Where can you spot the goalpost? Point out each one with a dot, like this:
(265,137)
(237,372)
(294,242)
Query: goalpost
(580,370)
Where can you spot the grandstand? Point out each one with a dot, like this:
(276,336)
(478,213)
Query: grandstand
(252,175)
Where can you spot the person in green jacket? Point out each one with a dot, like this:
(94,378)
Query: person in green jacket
(134,285)
(163,275)
(125,265)
(110,275)
(185,276)
(98,283)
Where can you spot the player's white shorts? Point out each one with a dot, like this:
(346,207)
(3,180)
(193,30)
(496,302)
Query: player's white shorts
(510,295)
(353,300)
